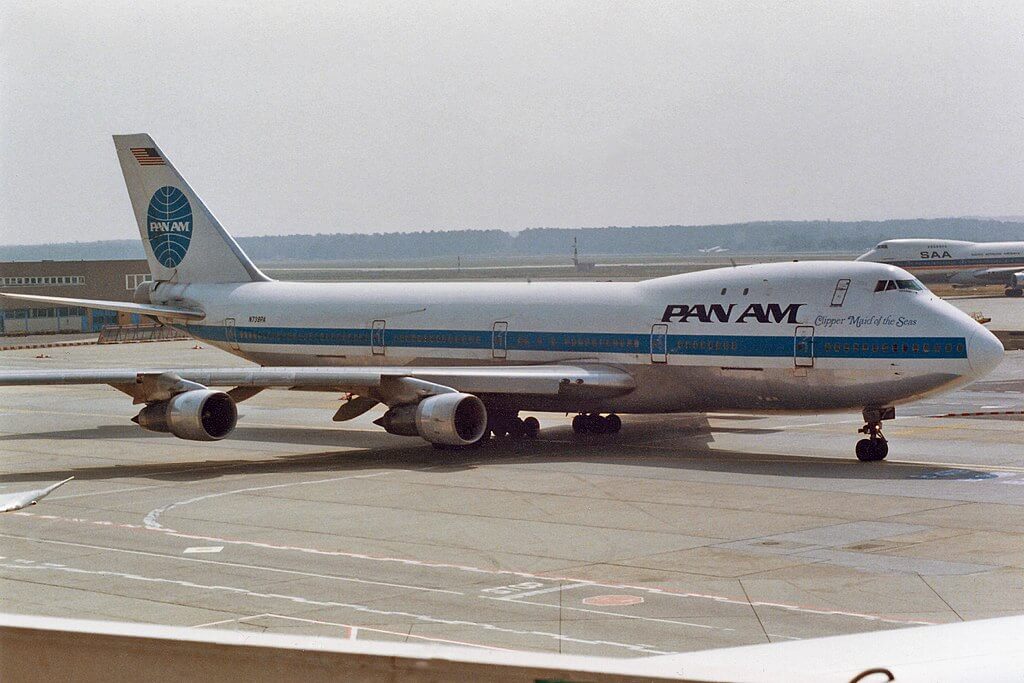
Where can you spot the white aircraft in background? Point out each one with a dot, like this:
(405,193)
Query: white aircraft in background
(956,262)
(713,250)
(455,362)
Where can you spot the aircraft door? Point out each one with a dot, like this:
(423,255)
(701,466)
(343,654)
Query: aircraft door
(230,333)
(377,337)
(659,343)
(803,347)
(839,295)
(499,340)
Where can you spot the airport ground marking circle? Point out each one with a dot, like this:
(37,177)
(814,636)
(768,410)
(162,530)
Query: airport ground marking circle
(612,600)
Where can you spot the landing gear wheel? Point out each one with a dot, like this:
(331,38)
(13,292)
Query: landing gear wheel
(595,424)
(1014,291)
(516,429)
(580,424)
(864,450)
(612,424)
(502,423)
(531,427)
(875,447)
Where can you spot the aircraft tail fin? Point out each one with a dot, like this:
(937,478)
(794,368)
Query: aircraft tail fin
(183,241)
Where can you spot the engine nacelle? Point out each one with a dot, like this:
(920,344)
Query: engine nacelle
(453,419)
(197,415)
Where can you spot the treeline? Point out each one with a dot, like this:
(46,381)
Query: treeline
(739,238)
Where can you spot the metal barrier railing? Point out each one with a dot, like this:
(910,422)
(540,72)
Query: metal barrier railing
(126,334)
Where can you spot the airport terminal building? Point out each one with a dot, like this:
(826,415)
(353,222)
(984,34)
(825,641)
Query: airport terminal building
(111,280)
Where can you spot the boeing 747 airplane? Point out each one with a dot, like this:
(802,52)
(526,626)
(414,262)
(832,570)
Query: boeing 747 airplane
(956,262)
(456,362)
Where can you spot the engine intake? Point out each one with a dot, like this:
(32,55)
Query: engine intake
(453,419)
(197,415)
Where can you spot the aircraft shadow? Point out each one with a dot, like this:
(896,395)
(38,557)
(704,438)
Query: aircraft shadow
(675,444)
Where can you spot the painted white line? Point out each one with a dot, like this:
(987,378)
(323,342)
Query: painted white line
(354,631)
(553,589)
(151,518)
(723,599)
(615,614)
(112,491)
(203,549)
(333,577)
(31,565)
(226,621)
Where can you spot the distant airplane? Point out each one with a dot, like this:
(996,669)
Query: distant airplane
(455,362)
(713,250)
(956,262)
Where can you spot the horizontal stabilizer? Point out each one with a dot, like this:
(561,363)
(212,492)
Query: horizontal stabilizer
(168,312)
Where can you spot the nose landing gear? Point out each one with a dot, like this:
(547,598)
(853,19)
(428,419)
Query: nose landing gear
(875,447)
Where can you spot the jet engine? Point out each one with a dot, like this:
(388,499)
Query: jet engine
(453,419)
(197,415)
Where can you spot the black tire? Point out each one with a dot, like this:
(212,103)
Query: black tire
(580,424)
(864,450)
(531,427)
(612,424)
(1014,291)
(516,430)
(879,449)
(596,424)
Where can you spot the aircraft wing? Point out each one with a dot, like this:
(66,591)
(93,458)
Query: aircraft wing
(168,312)
(580,381)
(996,275)
(22,499)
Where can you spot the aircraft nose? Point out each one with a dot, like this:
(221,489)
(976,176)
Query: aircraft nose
(984,351)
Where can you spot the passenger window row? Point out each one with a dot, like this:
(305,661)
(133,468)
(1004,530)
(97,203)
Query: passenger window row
(894,348)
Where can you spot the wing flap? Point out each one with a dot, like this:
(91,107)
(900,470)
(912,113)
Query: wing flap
(168,312)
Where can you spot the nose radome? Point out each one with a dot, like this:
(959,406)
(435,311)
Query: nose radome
(984,351)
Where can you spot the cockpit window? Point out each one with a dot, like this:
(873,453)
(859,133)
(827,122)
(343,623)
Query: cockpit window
(882,245)
(889,285)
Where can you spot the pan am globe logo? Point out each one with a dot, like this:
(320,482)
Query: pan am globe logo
(170,225)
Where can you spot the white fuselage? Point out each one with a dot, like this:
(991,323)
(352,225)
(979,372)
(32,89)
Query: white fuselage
(796,336)
(955,261)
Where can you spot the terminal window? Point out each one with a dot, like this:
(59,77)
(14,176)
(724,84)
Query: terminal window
(133,280)
(42,280)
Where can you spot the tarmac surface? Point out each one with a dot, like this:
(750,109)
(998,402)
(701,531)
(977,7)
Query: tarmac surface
(680,533)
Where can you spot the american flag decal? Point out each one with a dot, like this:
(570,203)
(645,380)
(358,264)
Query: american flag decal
(147,156)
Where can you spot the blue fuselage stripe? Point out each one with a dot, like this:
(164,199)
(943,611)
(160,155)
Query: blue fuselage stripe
(597,342)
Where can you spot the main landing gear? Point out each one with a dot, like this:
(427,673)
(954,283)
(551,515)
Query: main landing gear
(501,424)
(875,447)
(592,423)
(511,425)
(1013,291)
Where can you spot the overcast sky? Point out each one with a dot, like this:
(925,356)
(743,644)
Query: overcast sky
(363,117)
